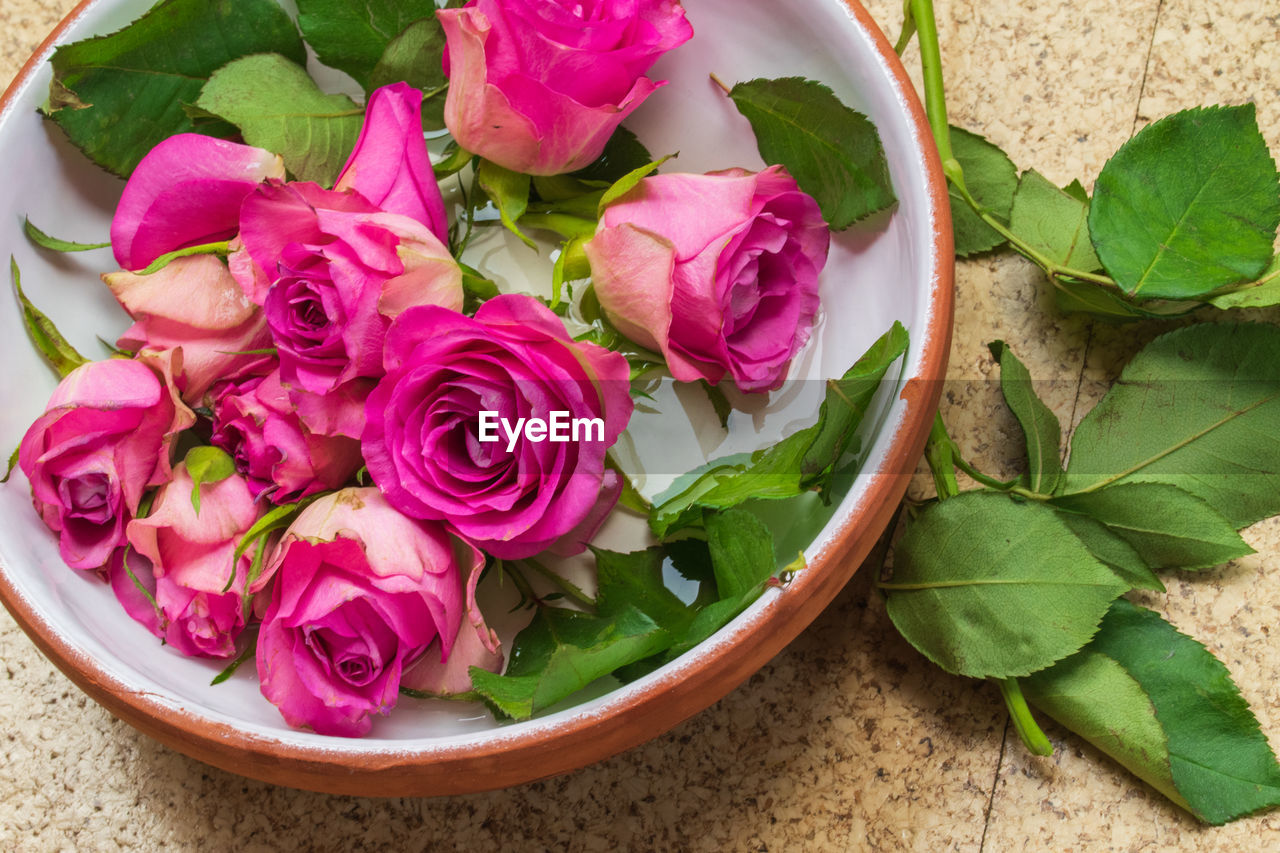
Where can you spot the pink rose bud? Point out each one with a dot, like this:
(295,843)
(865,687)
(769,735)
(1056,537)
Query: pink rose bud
(390,165)
(187,191)
(360,593)
(539,87)
(331,271)
(435,440)
(187,559)
(719,272)
(102,440)
(196,305)
(255,422)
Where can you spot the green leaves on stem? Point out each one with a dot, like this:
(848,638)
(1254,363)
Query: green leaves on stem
(1021,579)
(804,461)
(1185,214)
(639,623)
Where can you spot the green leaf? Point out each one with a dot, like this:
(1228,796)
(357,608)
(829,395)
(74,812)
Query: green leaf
(207,465)
(219,248)
(802,461)
(1119,556)
(832,151)
(1197,407)
(476,289)
(635,580)
(1168,527)
(247,654)
(415,57)
(118,96)
(627,183)
(561,652)
(741,553)
(623,153)
(1263,293)
(277,106)
(13,463)
(1096,698)
(1189,204)
(719,402)
(1039,425)
(1072,295)
(1220,760)
(354,35)
(509,192)
(452,162)
(992,180)
(1054,222)
(43,240)
(48,340)
(991,587)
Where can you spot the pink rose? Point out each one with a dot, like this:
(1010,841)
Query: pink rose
(360,592)
(187,191)
(331,271)
(719,272)
(103,439)
(183,558)
(538,86)
(449,374)
(255,422)
(196,305)
(390,165)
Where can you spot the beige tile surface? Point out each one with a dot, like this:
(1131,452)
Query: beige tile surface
(848,739)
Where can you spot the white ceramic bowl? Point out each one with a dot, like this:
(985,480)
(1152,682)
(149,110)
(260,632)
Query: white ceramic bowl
(898,267)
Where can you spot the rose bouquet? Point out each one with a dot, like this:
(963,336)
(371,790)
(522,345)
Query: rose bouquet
(329,427)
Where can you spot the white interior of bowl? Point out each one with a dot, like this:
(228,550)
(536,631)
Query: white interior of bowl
(877,273)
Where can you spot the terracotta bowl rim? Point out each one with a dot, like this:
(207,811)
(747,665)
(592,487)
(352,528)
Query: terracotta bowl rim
(561,742)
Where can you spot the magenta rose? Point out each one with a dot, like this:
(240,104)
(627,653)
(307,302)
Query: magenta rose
(187,191)
(331,271)
(183,557)
(435,442)
(719,272)
(538,86)
(254,421)
(103,439)
(193,304)
(360,592)
(390,165)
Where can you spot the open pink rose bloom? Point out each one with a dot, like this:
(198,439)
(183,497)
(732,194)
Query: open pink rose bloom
(327,439)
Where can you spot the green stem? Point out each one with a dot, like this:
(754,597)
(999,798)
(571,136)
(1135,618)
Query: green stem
(908,28)
(935,106)
(935,101)
(988,481)
(522,584)
(941,456)
(1032,737)
(568,587)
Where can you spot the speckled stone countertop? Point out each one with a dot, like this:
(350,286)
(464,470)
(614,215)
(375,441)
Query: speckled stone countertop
(848,739)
